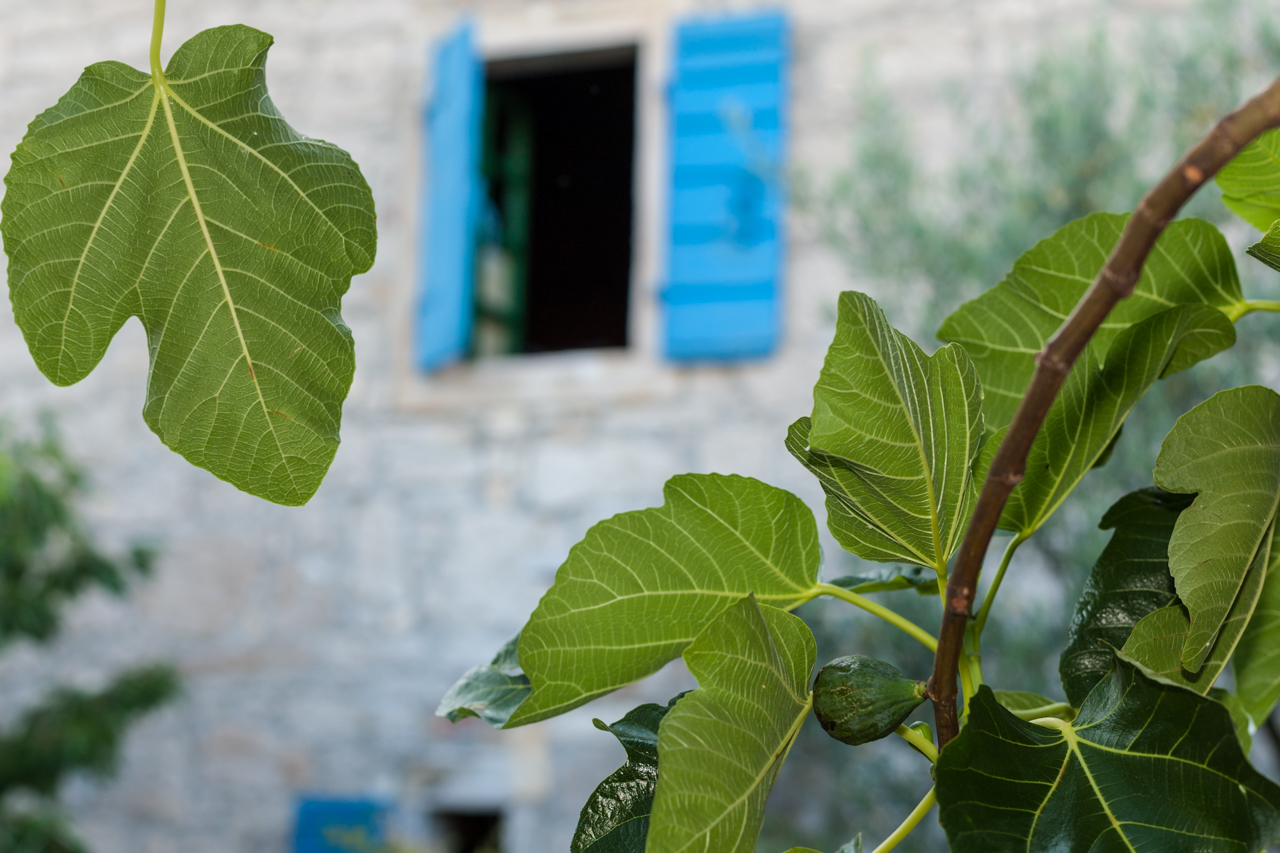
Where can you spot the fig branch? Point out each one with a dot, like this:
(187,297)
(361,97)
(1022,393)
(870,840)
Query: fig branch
(1115,282)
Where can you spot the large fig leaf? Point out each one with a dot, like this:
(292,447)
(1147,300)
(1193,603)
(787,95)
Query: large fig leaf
(1004,328)
(1130,580)
(1086,418)
(1227,451)
(721,747)
(1257,658)
(188,202)
(892,439)
(642,585)
(491,691)
(615,818)
(1145,766)
(1251,181)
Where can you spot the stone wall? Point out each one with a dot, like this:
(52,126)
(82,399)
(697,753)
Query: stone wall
(317,641)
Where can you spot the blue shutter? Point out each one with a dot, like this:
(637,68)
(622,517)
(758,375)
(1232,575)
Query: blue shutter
(728,113)
(453,201)
(338,825)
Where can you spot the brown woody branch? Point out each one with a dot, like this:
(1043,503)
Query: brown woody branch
(1115,282)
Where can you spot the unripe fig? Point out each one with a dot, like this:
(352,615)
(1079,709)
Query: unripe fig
(860,699)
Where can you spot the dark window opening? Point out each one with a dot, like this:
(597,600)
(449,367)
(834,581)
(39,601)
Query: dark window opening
(470,832)
(554,259)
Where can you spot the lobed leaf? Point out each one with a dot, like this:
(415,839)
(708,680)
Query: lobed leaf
(490,691)
(615,818)
(1004,328)
(188,202)
(1257,658)
(1250,183)
(642,585)
(1144,766)
(1227,450)
(892,439)
(721,747)
(1129,581)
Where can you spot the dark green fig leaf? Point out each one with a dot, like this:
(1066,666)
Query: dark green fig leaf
(616,816)
(1145,766)
(889,578)
(893,437)
(721,746)
(1004,328)
(860,699)
(1250,183)
(1257,658)
(642,585)
(186,200)
(1239,717)
(490,691)
(1130,580)
(1226,451)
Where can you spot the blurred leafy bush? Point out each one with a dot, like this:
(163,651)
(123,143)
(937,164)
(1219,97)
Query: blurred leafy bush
(46,560)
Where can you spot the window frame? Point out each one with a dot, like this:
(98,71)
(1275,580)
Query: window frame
(594,375)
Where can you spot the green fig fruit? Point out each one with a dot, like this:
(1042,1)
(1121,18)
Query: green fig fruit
(860,699)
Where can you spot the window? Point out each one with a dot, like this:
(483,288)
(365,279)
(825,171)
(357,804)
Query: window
(527,234)
(554,259)
(470,832)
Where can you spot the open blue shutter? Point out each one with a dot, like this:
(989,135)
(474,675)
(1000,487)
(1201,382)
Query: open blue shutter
(452,121)
(728,114)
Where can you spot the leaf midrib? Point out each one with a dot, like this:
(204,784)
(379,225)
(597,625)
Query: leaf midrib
(181,157)
(284,175)
(1073,746)
(779,752)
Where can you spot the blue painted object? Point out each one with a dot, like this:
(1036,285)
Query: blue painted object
(725,256)
(453,122)
(339,825)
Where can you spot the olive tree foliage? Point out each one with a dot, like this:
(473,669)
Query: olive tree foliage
(181,196)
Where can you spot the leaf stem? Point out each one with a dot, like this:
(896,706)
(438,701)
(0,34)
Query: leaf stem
(917,814)
(1116,281)
(987,602)
(880,610)
(919,741)
(1235,312)
(157,30)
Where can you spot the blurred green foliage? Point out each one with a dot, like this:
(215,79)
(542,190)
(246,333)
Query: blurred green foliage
(1087,126)
(46,560)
